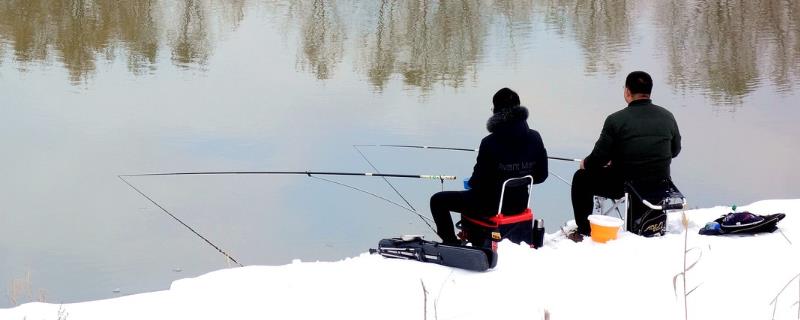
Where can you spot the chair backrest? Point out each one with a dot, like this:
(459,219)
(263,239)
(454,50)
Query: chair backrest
(516,182)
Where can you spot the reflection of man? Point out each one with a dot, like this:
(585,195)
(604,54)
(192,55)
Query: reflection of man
(636,145)
(511,150)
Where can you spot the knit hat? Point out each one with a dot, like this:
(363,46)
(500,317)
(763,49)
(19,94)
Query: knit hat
(504,98)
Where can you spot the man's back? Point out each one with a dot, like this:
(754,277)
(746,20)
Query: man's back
(637,145)
(639,140)
(511,150)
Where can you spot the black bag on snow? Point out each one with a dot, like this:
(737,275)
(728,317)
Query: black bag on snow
(645,221)
(415,248)
(743,223)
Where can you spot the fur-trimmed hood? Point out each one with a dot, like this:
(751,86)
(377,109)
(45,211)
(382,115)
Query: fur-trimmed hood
(507,117)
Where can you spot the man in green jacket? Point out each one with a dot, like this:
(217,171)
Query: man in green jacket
(636,145)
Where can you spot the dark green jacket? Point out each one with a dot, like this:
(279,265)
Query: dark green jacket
(640,141)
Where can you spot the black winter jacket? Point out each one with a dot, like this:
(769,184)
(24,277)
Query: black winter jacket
(511,149)
(639,140)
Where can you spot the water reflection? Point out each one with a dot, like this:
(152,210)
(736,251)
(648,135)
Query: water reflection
(601,28)
(322,45)
(722,49)
(427,42)
(191,46)
(424,42)
(139,35)
(79,33)
(726,48)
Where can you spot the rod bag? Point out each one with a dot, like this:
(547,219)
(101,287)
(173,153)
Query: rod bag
(415,248)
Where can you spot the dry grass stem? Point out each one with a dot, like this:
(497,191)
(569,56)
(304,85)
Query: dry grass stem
(686,266)
(785,237)
(425,301)
(62,313)
(774,301)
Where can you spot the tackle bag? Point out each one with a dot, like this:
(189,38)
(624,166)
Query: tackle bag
(742,223)
(644,220)
(647,222)
(415,248)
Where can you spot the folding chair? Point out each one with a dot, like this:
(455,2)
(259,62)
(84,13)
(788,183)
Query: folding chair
(645,206)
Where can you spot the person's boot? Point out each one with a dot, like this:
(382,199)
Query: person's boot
(574,235)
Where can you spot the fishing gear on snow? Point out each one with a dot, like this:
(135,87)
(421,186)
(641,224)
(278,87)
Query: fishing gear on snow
(743,222)
(415,248)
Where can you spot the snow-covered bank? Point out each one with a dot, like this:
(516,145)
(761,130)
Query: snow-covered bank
(629,278)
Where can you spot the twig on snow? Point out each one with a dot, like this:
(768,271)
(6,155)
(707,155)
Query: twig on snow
(785,237)
(774,301)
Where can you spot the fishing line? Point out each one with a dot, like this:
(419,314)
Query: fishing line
(313,174)
(384,178)
(449,148)
(560,178)
(459,149)
(424,219)
(181,222)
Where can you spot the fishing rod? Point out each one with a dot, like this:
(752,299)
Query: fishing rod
(410,208)
(415,147)
(386,180)
(122,177)
(308,173)
(447,148)
(457,149)
(312,174)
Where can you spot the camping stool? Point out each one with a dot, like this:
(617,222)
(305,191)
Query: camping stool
(487,232)
(643,205)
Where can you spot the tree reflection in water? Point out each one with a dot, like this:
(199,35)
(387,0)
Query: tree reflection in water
(722,49)
(601,28)
(78,33)
(727,48)
(322,45)
(191,44)
(424,42)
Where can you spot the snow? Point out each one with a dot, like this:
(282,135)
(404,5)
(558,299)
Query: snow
(629,278)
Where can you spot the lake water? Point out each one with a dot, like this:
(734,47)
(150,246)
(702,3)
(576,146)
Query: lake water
(93,89)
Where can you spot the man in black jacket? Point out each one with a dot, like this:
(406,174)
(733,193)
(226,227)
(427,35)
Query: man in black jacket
(636,145)
(511,149)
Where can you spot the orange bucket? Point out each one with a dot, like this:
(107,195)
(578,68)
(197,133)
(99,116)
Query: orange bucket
(604,228)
